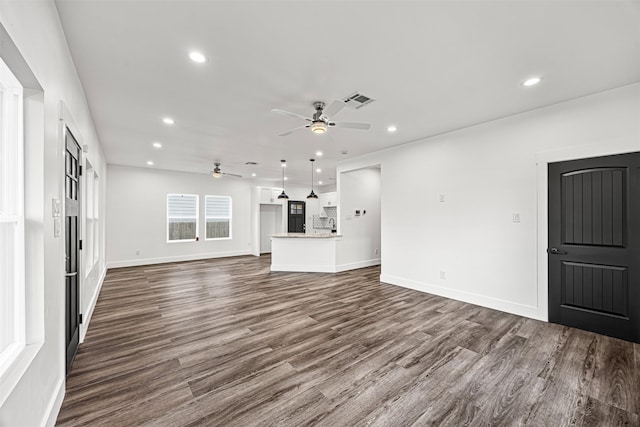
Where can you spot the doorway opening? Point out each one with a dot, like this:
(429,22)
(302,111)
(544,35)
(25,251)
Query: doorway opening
(270,224)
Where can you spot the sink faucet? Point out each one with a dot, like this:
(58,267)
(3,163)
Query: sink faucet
(331,220)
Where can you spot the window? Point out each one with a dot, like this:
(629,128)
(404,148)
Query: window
(182,217)
(217,213)
(92,229)
(12,240)
(89,237)
(96,217)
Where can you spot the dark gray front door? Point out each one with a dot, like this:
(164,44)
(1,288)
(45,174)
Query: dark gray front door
(296,217)
(594,245)
(72,246)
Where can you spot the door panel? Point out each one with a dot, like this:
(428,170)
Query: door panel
(296,216)
(594,265)
(72,247)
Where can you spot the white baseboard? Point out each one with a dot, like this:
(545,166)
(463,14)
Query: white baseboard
(325,268)
(484,301)
(356,265)
(53,408)
(163,260)
(92,305)
(303,268)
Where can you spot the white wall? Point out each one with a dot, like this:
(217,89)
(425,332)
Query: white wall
(137,216)
(486,173)
(359,190)
(35,30)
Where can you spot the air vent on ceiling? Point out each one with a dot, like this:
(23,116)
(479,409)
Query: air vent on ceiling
(357,100)
(251,163)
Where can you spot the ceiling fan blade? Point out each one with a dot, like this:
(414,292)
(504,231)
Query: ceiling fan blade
(363,126)
(334,108)
(289,113)
(293,130)
(231,174)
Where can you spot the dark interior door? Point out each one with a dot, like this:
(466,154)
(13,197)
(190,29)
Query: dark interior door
(594,242)
(296,217)
(72,246)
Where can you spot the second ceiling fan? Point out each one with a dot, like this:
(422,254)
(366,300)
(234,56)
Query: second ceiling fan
(321,121)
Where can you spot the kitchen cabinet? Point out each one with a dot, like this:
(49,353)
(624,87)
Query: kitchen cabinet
(328,199)
(269,195)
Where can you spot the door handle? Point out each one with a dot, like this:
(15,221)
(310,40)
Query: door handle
(75,273)
(556,251)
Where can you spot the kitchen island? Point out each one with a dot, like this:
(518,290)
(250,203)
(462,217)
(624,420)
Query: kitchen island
(302,252)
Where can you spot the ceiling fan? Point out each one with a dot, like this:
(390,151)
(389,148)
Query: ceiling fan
(217,172)
(321,120)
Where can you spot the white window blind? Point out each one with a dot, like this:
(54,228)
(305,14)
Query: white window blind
(89,217)
(12,256)
(96,217)
(217,217)
(182,217)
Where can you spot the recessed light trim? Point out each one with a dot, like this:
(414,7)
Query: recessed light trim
(531,81)
(149,163)
(318,170)
(319,182)
(319,153)
(197,57)
(157,145)
(286,179)
(168,121)
(391,128)
(253,175)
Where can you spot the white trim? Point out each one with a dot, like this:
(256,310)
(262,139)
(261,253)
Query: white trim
(12,376)
(298,268)
(543,158)
(314,268)
(357,265)
(92,305)
(163,260)
(53,408)
(469,297)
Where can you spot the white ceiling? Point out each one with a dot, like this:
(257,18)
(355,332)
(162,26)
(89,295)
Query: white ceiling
(431,66)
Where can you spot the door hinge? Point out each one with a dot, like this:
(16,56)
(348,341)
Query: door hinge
(80,170)
(80,245)
(80,318)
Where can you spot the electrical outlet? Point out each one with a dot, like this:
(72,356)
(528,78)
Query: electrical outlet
(377,251)
(442,198)
(443,275)
(138,252)
(516,217)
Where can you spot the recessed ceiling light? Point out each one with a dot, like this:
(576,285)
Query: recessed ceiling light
(286,179)
(391,129)
(150,163)
(253,174)
(197,57)
(157,145)
(168,121)
(318,153)
(319,182)
(318,170)
(531,81)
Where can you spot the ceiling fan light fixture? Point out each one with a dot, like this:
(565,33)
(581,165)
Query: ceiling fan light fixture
(319,127)
(217,172)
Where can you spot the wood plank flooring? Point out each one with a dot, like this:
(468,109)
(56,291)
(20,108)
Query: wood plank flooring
(225,342)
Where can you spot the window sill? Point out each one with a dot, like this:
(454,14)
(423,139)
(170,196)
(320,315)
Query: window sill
(218,238)
(16,369)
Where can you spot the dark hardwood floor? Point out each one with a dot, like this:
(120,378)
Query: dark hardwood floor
(226,342)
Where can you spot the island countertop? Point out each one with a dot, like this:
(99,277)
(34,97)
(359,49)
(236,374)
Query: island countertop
(306,236)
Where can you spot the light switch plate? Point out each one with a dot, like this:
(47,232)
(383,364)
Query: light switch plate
(57,226)
(55,208)
(516,217)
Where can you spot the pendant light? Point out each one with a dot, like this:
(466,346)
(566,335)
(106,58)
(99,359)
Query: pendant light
(283,195)
(312,195)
